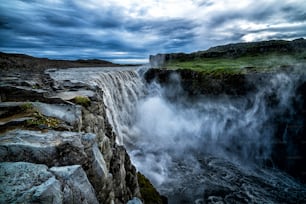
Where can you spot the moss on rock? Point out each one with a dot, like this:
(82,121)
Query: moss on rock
(148,192)
(82,100)
(43,121)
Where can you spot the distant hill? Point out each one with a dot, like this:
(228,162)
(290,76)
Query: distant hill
(25,62)
(234,51)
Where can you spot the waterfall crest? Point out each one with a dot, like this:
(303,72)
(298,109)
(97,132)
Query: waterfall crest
(121,92)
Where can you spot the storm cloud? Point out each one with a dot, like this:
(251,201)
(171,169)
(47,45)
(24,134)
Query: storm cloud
(129,31)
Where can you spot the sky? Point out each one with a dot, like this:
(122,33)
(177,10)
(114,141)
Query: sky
(128,31)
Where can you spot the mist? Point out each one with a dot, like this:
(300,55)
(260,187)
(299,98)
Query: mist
(189,145)
(173,131)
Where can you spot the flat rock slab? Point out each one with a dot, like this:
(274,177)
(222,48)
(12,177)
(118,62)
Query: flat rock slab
(22,182)
(52,148)
(20,93)
(68,95)
(14,121)
(66,112)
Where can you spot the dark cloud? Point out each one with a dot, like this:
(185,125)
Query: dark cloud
(100,29)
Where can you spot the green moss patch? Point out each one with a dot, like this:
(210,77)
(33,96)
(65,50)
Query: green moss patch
(147,190)
(82,100)
(42,121)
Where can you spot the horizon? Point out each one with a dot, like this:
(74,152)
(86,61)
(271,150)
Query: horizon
(128,32)
(126,61)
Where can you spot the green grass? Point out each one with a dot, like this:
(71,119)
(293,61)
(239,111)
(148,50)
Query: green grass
(259,63)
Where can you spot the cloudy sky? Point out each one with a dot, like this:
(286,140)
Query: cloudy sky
(128,31)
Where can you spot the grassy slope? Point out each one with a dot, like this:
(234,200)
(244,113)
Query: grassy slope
(258,63)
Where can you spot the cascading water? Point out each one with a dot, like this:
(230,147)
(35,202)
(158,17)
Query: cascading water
(122,87)
(189,146)
(121,92)
(205,148)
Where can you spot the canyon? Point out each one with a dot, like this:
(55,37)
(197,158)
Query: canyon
(103,133)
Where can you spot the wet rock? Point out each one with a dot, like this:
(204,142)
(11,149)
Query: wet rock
(66,112)
(72,114)
(125,175)
(198,83)
(76,187)
(22,182)
(69,95)
(221,181)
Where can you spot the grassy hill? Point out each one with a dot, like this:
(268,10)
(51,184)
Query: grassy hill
(263,56)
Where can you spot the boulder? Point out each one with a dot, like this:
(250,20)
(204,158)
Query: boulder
(76,187)
(28,183)
(23,182)
(54,148)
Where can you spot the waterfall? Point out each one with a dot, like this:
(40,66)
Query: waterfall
(121,92)
(191,148)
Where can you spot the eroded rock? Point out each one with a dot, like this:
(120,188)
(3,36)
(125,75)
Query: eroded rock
(28,183)
(55,148)
(23,182)
(51,148)
(76,187)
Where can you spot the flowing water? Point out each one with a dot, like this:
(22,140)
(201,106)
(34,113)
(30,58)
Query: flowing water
(204,149)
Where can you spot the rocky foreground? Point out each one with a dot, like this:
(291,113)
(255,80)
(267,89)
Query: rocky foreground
(56,145)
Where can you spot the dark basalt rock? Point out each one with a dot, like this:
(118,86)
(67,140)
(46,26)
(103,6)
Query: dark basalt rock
(197,83)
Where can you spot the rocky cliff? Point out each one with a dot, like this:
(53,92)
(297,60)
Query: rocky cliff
(56,143)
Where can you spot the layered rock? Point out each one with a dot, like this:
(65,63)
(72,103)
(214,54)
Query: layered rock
(197,83)
(45,130)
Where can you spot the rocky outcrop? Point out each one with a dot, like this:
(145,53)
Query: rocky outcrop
(196,83)
(64,150)
(124,184)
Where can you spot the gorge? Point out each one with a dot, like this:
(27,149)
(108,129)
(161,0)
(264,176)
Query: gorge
(82,134)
